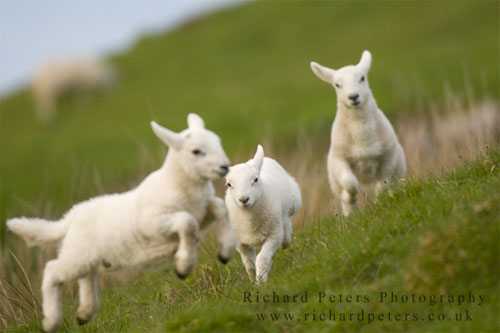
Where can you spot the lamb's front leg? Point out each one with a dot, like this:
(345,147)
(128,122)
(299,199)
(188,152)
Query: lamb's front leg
(265,256)
(186,227)
(248,257)
(344,184)
(226,237)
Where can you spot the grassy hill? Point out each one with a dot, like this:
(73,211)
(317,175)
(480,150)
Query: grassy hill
(246,70)
(428,237)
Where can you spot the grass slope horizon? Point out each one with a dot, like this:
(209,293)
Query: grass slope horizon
(246,71)
(425,237)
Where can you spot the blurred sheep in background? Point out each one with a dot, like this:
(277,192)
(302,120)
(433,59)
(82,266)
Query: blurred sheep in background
(57,78)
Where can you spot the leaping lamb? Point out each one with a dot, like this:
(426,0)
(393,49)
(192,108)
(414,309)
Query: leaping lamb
(261,198)
(364,148)
(152,225)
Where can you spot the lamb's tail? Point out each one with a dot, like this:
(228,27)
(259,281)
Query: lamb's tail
(37,231)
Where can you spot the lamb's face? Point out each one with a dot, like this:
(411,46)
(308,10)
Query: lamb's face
(351,85)
(198,150)
(244,184)
(243,181)
(350,82)
(202,155)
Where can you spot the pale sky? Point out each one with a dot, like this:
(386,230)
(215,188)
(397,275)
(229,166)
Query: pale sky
(35,31)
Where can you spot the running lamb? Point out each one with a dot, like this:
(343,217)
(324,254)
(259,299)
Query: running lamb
(261,198)
(364,148)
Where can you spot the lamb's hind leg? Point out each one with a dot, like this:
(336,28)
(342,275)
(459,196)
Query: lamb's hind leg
(186,227)
(380,186)
(56,273)
(287,236)
(89,301)
(51,295)
(392,171)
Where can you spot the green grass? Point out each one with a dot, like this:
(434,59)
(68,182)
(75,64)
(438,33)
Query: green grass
(434,236)
(246,71)
(437,236)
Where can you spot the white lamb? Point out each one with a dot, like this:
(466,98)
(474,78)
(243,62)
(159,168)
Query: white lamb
(156,222)
(364,148)
(56,78)
(261,197)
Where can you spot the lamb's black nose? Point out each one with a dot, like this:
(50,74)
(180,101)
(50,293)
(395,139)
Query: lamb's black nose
(353,97)
(224,169)
(244,200)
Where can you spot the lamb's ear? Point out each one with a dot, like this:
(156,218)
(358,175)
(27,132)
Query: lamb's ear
(195,121)
(258,159)
(172,139)
(366,61)
(324,73)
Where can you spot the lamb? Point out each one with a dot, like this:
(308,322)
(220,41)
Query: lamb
(261,197)
(158,222)
(56,78)
(364,148)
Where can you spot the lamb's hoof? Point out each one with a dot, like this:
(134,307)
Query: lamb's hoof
(223,259)
(48,327)
(82,321)
(180,275)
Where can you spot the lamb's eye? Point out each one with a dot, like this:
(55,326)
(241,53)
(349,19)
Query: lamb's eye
(197,152)
(337,85)
(228,184)
(256,180)
(362,79)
